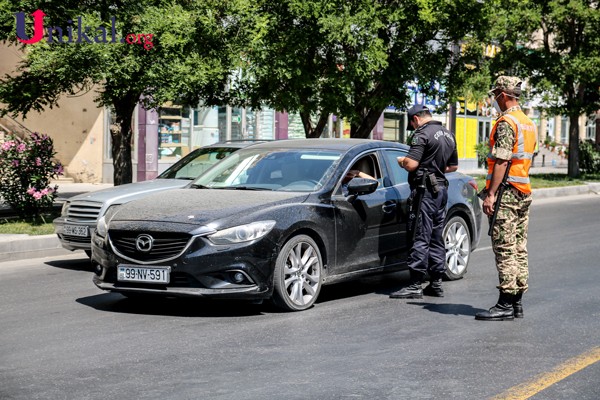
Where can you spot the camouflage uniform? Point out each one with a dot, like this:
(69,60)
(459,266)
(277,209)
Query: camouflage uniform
(509,235)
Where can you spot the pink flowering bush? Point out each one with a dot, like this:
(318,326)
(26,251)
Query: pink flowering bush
(26,168)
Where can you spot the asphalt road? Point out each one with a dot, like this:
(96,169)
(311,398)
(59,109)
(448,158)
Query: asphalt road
(61,338)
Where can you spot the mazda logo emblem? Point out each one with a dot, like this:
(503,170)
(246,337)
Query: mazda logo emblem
(144,243)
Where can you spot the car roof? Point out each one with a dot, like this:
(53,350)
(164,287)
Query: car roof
(238,144)
(341,145)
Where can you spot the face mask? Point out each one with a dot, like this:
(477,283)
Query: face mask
(496,106)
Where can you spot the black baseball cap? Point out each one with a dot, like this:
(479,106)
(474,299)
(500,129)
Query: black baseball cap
(414,110)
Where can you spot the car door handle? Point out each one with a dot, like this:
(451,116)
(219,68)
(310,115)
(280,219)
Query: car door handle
(388,207)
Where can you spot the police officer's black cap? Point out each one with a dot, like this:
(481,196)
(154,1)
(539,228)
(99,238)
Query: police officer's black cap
(414,110)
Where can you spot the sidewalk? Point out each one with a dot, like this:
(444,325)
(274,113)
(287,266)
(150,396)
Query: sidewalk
(19,247)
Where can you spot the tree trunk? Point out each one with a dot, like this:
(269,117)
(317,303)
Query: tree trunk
(367,124)
(121,136)
(573,169)
(309,131)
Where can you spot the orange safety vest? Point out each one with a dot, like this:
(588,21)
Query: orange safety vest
(522,153)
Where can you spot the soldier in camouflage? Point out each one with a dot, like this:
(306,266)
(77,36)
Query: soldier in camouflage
(513,138)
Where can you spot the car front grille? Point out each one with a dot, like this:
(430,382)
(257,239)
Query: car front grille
(166,245)
(83,211)
(75,239)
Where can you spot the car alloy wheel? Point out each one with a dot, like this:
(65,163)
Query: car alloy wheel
(458,247)
(297,277)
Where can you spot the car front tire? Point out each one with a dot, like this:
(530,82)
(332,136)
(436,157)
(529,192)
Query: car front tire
(458,247)
(297,275)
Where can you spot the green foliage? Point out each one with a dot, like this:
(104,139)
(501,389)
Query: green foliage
(555,45)
(39,225)
(482,149)
(353,58)
(26,168)
(589,157)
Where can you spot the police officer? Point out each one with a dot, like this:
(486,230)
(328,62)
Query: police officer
(432,153)
(513,139)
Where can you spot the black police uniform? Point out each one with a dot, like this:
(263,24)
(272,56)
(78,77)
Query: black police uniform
(434,147)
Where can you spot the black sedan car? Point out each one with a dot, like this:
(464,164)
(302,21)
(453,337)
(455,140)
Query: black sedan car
(276,221)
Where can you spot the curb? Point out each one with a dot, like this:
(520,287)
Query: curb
(21,246)
(588,188)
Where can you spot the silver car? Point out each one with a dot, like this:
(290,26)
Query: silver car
(80,213)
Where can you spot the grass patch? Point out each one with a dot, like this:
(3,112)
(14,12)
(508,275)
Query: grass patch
(37,226)
(540,181)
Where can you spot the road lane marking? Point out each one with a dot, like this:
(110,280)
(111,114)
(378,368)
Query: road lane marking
(547,379)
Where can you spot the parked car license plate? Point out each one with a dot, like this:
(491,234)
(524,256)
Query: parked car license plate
(76,230)
(134,273)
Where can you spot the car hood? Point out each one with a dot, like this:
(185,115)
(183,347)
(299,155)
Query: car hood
(201,206)
(131,191)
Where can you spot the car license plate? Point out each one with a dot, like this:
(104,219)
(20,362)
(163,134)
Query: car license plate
(134,273)
(76,230)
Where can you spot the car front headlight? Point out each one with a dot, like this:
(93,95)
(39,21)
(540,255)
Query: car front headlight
(65,209)
(242,233)
(102,225)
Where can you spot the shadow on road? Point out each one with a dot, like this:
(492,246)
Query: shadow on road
(83,264)
(114,302)
(383,284)
(450,309)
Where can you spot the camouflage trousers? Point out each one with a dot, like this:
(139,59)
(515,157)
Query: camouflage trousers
(509,241)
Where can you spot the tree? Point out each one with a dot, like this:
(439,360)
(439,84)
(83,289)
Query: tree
(354,58)
(185,53)
(555,46)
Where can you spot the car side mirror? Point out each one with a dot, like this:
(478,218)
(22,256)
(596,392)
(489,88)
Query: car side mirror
(362,186)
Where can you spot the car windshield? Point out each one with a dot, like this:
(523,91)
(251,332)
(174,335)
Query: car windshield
(194,164)
(302,170)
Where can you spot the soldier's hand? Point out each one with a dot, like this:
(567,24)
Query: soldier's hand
(488,204)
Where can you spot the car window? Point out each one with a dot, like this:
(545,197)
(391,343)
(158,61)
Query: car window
(398,174)
(301,170)
(195,163)
(369,165)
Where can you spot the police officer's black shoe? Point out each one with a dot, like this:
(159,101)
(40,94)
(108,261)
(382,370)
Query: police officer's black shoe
(412,291)
(518,305)
(434,288)
(502,311)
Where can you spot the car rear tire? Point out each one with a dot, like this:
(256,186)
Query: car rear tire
(458,247)
(297,276)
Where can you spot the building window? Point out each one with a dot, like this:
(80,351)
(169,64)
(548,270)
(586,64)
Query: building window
(590,128)
(564,130)
(205,129)
(174,126)
(394,126)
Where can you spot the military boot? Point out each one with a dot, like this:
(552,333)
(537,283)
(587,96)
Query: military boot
(413,290)
(434,288)
(518,305)
(502,311)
